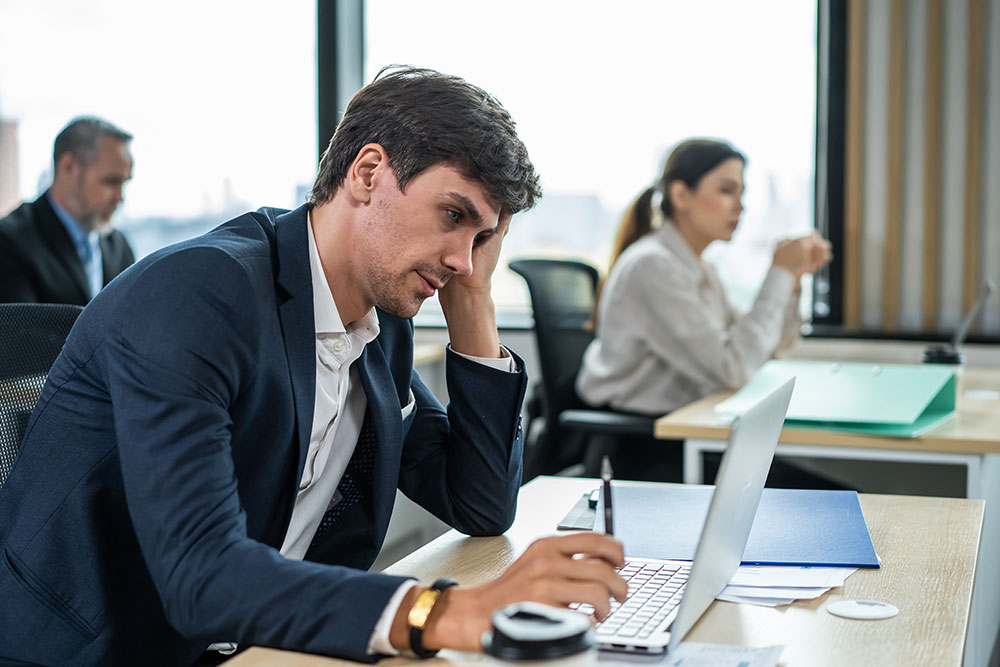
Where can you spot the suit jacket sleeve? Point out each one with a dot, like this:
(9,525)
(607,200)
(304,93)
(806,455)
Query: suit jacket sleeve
(463,463)
(175,360)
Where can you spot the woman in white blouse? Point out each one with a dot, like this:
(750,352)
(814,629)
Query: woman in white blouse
(666,333)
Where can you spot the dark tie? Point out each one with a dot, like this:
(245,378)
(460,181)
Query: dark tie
(356,483)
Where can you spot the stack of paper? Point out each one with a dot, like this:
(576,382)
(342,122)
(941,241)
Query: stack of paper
(773,586)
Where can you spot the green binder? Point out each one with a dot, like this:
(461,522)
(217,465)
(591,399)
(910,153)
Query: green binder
(895,400)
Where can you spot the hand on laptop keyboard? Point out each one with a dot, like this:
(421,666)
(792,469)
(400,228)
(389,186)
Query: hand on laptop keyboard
(654,589)
(566,569)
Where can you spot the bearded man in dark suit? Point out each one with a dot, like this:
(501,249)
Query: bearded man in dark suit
(60,248)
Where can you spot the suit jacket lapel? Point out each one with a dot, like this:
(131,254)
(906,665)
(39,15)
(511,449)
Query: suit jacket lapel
(61,245)
(383,404)
(298,322)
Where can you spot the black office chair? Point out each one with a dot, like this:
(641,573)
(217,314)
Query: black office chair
(31,337)
(566,441)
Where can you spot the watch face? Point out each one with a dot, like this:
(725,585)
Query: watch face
(421,609)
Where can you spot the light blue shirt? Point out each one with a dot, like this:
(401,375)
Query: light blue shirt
(87,244)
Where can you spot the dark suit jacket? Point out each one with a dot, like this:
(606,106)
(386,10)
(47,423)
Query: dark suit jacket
(39,264)
(143,517)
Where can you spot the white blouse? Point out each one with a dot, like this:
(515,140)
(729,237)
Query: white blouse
(667,335)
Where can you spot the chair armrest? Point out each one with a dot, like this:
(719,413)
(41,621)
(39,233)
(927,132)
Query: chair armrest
(606,421)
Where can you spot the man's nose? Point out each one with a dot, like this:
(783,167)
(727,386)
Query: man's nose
(458,258)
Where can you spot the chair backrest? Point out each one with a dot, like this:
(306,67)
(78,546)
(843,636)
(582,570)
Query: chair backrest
(562,299)
(31,337)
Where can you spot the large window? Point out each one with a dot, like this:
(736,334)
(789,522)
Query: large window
(220,96)
(601,91)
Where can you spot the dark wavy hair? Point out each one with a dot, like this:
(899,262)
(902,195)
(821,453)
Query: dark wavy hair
(423,118)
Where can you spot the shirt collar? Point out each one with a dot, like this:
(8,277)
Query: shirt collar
(78,234)
(325,313)
(670,236)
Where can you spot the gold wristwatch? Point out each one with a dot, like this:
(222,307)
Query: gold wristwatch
(420,611)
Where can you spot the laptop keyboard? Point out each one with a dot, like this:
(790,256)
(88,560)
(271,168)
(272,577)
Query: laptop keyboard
(654,590)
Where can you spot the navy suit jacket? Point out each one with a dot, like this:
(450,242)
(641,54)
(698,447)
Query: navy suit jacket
(39,263)
(143,516)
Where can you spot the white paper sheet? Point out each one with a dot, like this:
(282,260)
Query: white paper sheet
(795,593)
(785,576)
(694,654)
(760,602)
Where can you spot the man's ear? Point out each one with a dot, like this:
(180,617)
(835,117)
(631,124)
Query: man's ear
(363,175)
(68,165)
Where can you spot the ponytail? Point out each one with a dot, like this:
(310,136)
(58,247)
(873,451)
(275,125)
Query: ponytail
(635,224)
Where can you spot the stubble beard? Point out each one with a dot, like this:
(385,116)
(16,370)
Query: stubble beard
(392,293)
(95,218)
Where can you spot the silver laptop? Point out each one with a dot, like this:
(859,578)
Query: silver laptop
(666,598)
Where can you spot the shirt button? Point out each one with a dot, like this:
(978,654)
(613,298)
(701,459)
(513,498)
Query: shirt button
(339,345)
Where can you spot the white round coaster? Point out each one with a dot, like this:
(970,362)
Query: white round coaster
(865,610)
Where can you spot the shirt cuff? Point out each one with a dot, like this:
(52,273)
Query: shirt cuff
(504,363)
(379,643)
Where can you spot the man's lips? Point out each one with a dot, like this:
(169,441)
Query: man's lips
(430,285)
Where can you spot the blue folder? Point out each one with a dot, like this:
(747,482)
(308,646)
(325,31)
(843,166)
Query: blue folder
(792,526)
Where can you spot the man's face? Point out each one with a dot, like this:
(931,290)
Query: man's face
(96,189)
(417,241)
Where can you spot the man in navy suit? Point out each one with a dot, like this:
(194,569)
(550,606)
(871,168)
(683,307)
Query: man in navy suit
(214,457)
(61,248)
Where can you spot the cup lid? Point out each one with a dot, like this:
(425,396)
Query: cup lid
(533,631)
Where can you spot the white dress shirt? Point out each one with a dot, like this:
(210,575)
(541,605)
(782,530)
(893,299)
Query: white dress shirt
(87,244)
(667,335)
(339,411)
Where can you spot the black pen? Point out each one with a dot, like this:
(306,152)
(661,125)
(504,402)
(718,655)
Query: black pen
(609,521)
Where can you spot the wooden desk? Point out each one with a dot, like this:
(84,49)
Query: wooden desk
(970,439)
(928,548)
(975,428)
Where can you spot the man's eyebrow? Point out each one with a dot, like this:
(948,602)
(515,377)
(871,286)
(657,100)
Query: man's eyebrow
(469,207)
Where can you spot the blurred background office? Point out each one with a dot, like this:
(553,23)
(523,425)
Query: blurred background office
(875,122)
(222,100)
(230,101)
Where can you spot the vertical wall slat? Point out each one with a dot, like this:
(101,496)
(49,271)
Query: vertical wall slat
(989,252)
(932,163)
(854,166)
(912,232)
(894,190)
(973,153)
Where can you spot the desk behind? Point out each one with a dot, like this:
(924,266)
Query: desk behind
(928,547)
(975,428)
